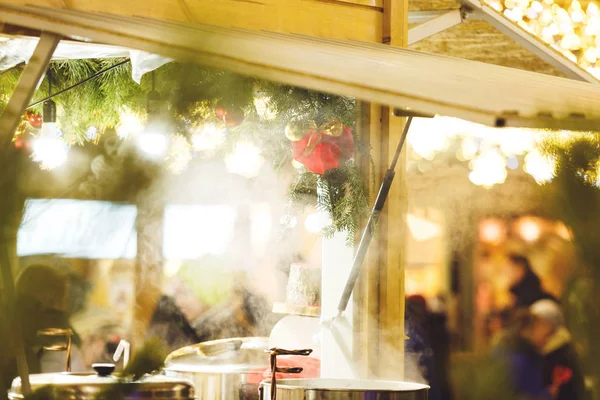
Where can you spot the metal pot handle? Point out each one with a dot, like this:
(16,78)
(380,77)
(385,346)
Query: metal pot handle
(273,353)
(68,333)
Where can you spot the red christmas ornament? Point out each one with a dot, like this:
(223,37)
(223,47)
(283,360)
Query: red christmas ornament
(234,117)
(220,112)
(34,119)
(322,149)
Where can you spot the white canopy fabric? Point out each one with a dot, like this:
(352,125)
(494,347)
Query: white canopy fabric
(427,83)
(18,50)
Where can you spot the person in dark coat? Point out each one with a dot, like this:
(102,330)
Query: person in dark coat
(169,324)
(561,361)
(440,345)
(420,364)
(520,350)
(526,286)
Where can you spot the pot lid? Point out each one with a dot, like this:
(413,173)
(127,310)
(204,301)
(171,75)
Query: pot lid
(225,356)
(84,386)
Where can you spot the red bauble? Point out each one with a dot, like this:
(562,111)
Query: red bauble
(234,117)
(220,111)
(22,145)
(320,152)
(34,119)
(231,116)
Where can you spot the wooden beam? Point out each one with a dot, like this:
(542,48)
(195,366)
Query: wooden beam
(343,19)
(379,312)
(30,78)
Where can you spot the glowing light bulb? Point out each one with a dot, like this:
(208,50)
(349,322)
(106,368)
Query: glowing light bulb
(432,139)
(153,144)
(246,160)
(546,17)
(577,16)
(129,124)
(208,137)
(529,230)
(531,14)
(496,5)
(593,26)
(539,167)
(537,6)
(492,231)
(488,169)
(469,148)
(591,55)
(515,14)
(49,149)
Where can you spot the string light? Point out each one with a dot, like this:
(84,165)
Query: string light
(208,137)
(539,166)
(130,124)
(529,229)
(568,28)
(49,149)
(492,231)
(488,169)
(245,160)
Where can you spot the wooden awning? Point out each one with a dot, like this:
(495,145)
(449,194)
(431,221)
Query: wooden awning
(401,78)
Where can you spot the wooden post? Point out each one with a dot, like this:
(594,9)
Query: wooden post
(13,202)
(379,333)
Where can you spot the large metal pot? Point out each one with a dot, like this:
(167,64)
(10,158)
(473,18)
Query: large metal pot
(228,369)
(104,386)
(342,389)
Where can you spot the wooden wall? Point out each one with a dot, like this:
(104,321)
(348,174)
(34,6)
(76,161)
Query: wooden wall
(344,19)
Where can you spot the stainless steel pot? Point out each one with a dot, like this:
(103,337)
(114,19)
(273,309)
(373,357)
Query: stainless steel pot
(333,389)
(104,386)
(343,389)
(228,369)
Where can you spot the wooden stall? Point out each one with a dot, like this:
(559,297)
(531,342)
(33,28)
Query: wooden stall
(367,71)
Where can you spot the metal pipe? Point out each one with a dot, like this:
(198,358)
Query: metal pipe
(367,236)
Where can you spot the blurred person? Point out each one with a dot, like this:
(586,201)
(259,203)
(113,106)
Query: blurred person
(498,324)
(185,298)
(170,325)
(418,346)
(440,344)
(525,285)
(42,295)
(560,356)
(98,330)
(245,314)
(522,351)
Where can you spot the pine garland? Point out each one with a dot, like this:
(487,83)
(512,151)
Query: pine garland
(576,195)
(193,93)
